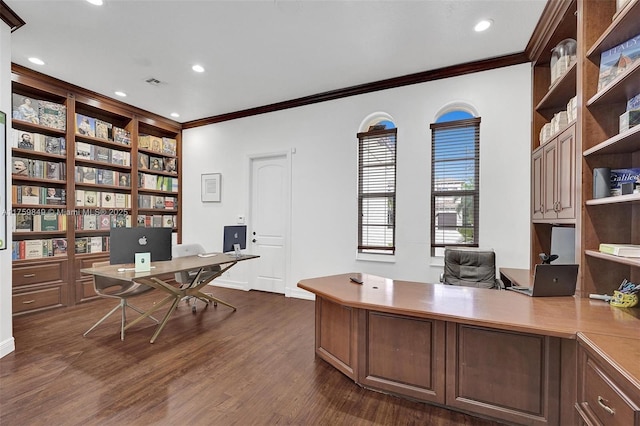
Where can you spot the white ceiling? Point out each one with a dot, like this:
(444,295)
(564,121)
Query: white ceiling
(256,52)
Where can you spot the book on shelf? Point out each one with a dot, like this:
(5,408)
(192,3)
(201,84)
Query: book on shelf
(169,146)
(90,198)
(122,201)
(617,60)
(102,154)
(104,222)
(95,244)
(49,222)
(84,151)
(158,202)
(124,179)
(105,177)
(156,163)
(170,165)
(81,245)
(53,170)
(23,139)
(56,196)
(107,199)
(23,222)
(33,249)
(150,142)
(104,130)
(89,222)
(167,221)
(25,108)
(53,145)
(623,181)
(85,126)
(52,115)
(143,161)
(622,250)
(121,135)
(30,195)
(19,166)
(59,246)
(121,158)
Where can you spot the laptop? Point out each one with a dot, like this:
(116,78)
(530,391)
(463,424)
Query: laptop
(551,280)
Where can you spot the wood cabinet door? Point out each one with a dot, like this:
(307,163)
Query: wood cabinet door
(550,177)
(537,185)
(566,172)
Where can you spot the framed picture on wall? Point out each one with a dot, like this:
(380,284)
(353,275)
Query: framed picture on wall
(3,183)
(210,187)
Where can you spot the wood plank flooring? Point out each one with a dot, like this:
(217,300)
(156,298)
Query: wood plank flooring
(255,366)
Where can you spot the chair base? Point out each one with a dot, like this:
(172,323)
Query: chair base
(122,305)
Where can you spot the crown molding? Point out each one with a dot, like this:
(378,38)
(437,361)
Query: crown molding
(10,17)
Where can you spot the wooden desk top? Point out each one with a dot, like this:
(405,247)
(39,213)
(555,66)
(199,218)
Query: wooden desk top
(178,264)
(551,316)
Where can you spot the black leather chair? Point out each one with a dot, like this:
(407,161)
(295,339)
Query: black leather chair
(471,268)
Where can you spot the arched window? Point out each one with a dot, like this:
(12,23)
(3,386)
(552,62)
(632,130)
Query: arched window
(455,171)
(377,185)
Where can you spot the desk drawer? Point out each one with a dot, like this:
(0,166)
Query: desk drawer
(604,400)
(38,299)
(36,274)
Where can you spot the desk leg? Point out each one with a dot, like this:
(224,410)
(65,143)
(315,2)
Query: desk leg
(149,312)
(165,319)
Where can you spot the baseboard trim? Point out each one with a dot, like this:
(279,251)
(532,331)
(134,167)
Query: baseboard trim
(7,347)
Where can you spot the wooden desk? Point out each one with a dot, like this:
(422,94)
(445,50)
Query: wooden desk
(522,277)
(494,353)
(174,294)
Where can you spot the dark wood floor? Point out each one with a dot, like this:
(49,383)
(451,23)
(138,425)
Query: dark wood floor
(255,366)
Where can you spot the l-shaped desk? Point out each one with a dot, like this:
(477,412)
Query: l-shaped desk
(496,354)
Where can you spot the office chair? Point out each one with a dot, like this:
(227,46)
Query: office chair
(116,289)
(471,268)
(185,278)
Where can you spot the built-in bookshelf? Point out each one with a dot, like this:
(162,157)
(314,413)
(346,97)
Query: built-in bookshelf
(82,164)
(601,98)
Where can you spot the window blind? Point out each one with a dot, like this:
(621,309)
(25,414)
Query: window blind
(455,194)
(377,191)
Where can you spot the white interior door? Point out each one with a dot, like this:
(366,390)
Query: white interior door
(270,206)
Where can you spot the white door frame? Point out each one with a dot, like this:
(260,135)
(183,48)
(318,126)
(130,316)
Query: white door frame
(287,237)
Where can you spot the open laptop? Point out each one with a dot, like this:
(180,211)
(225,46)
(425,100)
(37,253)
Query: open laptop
(551,280)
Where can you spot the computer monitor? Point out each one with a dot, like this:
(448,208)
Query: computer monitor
(124,243)
(235,234)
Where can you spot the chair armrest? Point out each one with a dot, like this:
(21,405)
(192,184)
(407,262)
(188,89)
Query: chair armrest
(442,277)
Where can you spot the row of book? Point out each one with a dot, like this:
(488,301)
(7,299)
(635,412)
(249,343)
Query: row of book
(157,144)
(54,170)
(96,244)
(39,142)
(99,176)
(101,222)
(104,222)
(34,195)
(37,249)
(46,222)
(156,202)
(96,128)
(161,183)
(86,151)
(87,198)
(36,111)
(163,164)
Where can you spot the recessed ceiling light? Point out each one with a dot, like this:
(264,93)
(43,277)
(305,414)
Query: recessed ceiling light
(483,25)
(36,61)
(198,68)
(120,93)
(175,115)
(96,2)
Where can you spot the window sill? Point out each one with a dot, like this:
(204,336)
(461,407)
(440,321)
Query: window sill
(383,258)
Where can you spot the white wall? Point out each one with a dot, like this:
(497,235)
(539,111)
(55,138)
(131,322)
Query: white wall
(7,344)
(324,167)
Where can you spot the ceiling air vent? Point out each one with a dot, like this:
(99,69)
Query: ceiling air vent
(153,81)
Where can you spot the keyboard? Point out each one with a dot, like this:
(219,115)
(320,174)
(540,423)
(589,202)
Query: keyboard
(207,254)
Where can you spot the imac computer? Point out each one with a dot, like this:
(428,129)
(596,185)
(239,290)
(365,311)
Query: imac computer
(235,239)
(124,243)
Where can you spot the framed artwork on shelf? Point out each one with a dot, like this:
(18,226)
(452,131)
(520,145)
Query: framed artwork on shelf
(3,184)
(210,187)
